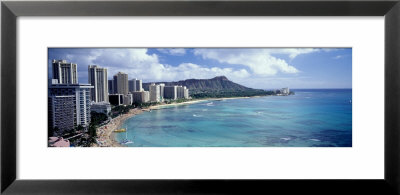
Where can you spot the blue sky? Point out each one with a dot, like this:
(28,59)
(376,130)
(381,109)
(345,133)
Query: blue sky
(263,68)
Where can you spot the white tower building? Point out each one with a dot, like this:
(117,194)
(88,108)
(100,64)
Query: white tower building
(97,77)
(121,83)
(154,93)
(64,72)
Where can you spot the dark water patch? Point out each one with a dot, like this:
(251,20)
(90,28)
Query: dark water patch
(283,140)
(264,109)
(271,130)
(168,126)
(297,132)
(333,131)
(323,145)
(256,131)
(177,131)
(278,117)
(273,112)
(310,122)
(340,137)
(344,145)
(235,125)
(282,116)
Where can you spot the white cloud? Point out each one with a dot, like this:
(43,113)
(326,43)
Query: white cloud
(292,52)
(174,51)
(260,61)
(189,70)
(337,57)
(137,63)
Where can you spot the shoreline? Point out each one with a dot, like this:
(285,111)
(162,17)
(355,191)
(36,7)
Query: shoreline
(195,101)
(106,135)
(174,104)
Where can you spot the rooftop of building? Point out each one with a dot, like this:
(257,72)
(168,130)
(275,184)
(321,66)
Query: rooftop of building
(63,62)
(96,66)
(119,73)
(71,85)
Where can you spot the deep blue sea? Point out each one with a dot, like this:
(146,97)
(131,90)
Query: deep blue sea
(310,118)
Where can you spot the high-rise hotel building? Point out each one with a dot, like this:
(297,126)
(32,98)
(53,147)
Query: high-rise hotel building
(140,96)
(61,112)
(69,105)
(97,77)
(186,93)
(162,85)
(154,91)
(135,85)
(182,92)
(120,83)
(139,86)
(132,85)
(170,92)
(176,92)
(65,72)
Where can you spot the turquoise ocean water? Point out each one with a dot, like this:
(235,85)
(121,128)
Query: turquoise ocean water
(317,118)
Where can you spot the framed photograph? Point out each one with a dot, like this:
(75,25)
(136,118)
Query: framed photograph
(156,102)
(199,97)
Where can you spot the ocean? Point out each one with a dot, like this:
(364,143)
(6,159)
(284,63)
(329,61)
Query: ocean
(310,118)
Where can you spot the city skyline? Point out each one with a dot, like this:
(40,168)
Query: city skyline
(263,68)
(71,105)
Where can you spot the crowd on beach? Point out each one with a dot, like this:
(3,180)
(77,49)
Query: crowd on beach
(105,137)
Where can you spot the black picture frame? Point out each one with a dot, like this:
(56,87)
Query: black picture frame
(10,10)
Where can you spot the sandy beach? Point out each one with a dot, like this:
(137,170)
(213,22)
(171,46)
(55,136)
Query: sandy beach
(193,102)
(105,135)
(176,104)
